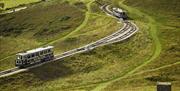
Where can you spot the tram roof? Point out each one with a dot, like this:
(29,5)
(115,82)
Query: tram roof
(35,50)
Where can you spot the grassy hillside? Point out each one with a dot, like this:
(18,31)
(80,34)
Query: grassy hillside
(135,64)
(15,3)
(34,27)
(166,14)
(46,24)
(93,67)
(163,17)
(79,71)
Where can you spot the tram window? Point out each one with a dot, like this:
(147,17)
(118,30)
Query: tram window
(45,51)
(28,56)
(37,54)
(19,57)
(33,55)
(49,50)
(25,57)
(41,53)
(18,61)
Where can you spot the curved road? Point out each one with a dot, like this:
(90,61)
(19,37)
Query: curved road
(125,32)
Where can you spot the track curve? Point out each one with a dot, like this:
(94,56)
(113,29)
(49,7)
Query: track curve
(124,33)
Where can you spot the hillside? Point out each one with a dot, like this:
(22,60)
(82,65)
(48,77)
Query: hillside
(136,64)
(28,29)
(166,14)
(162,16)
(47,25)
(15,3)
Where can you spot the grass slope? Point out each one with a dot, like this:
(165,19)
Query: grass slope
(135,64)
(15,3)
(39,25)
(76,72)
(157,20)
(91,68)
(62,32)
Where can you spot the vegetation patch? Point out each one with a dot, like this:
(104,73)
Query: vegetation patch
(93,67)
(134,64)
(80,5)
(166,23)
(7,4)
(34,27)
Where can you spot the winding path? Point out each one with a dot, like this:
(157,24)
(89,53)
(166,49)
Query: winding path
(157,50)
(87,15)
(127,31)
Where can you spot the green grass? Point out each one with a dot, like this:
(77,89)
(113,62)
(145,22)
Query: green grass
(89,68)
(167,23)
(87,15)
(151,55)
(39,25)
(101,64)
(77,34)
(15,3)
(148,79)
(153,21)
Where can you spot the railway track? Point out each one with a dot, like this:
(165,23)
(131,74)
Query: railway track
(125,32)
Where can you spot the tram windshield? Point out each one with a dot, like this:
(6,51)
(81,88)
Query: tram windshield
(19,57)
